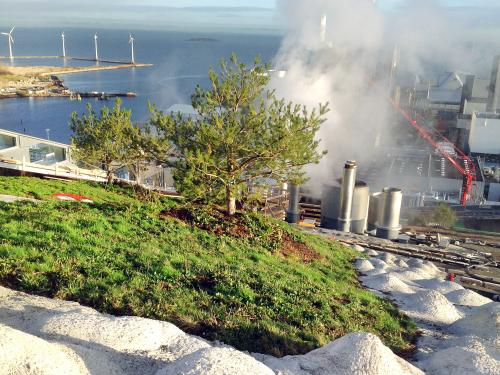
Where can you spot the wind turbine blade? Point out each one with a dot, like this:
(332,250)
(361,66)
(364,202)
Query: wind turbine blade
(4,33)
(12,30)
(11,39)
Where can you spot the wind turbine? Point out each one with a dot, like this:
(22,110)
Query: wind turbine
(63,45)
(95,43)
(131,42)
(11,41)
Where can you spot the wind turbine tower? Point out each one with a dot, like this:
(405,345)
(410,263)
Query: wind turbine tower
(11,41)
(131,42)
(63,45)
(96,52)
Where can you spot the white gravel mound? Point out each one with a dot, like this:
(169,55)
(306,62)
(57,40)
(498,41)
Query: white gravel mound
(378,263)
(467,297)
(484,322)
(401,263)
(361,249)
(364,265)
(462,361)
(377,271)
(356,353)
(431,306)
(413,274)
(119,333)
(442,286)
(216,361)
(388,258)
(24,354)
(414,262)
(389,283)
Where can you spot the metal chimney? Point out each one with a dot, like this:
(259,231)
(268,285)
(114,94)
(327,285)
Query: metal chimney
(330,206)
(359,211)
(373,211)
(346,194)
(389,210)
(293,213)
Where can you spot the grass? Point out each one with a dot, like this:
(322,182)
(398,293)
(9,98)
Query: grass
(125,256)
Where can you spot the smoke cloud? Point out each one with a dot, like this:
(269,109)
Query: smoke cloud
(351,69)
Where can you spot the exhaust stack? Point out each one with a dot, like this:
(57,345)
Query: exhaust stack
(389,210)
(293,212)
(359,211)
(346,195)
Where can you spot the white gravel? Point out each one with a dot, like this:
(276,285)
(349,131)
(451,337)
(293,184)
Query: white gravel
(461,336)
(356,353)
(216,361)
(461,329)
(364,265)
(45,336)
(358,248)
(466,297)
(431,307)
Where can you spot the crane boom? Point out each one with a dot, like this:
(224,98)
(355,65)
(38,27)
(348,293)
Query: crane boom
(460,161)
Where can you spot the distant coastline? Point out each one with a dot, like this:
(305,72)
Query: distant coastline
(43,81)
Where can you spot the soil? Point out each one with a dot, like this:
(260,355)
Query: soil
(299,250)
(220,223)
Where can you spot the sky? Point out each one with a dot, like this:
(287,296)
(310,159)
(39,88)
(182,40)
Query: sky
(200,15)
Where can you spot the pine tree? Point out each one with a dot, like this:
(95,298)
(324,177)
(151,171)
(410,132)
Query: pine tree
(242,133)
(106,139)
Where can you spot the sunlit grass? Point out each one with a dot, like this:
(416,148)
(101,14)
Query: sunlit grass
(119,256)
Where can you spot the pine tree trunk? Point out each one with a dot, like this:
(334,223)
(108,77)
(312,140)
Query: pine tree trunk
(230,202)
(110,175)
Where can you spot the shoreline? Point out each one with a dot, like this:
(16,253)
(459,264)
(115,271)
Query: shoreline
(32,81)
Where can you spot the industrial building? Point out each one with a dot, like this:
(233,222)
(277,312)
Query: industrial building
(462,113)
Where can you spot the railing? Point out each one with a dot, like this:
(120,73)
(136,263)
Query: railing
(56,170)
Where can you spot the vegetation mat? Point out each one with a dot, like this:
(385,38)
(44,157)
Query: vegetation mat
(249,281)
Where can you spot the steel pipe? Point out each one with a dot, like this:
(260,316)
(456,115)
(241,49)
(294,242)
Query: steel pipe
(293,212)
(359,210)
(388,213)
(346,195)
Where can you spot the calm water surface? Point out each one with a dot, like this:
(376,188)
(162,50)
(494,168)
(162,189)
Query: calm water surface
(179,65)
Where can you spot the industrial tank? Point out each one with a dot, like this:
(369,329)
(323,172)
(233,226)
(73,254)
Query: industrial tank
(373,211)
(359,209)
(388,213)
(293,212)
(330,206)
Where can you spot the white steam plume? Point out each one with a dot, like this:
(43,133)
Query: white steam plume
(351,70)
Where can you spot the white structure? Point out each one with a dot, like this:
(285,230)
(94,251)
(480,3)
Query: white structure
(485,133)
(448,90)
(494,98)
(95,44)
(11,41)
(131,42)
(63,45)
(322,33)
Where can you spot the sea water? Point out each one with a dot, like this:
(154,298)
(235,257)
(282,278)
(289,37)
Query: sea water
(181,61)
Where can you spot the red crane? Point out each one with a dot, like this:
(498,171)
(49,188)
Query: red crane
(458,159)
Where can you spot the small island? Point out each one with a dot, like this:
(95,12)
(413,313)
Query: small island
(202,39)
